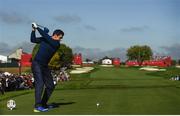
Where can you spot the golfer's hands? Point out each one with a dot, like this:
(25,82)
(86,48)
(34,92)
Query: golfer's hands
(34,26)
(33,29)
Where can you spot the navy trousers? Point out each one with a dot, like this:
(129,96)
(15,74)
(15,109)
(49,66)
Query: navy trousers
(44,85)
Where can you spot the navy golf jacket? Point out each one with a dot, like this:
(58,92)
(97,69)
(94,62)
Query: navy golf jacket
(47,47)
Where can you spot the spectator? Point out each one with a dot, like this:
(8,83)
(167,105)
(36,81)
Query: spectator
(1,87)
(15,82)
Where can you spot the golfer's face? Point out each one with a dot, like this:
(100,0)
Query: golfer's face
(59,37)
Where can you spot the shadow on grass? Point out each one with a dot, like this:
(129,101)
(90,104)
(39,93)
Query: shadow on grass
(56,105)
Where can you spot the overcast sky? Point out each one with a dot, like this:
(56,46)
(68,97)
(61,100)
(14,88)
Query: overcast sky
(104,24)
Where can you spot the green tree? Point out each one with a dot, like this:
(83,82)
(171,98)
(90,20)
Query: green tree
(66,55)
(35,49)
(62,57)
(55,61)
(174,62)
(87,60)
(139,53)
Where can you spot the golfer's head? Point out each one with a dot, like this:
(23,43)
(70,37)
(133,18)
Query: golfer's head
(58,34)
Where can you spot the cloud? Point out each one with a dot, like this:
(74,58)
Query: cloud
(13,18)
(96,54)
(27,46)
(89,27)
(68,19)
(6,49)
(173,50)
(90,53)
(135,29)
(117,52)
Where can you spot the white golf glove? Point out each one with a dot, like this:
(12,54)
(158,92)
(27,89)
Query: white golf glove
(34,25)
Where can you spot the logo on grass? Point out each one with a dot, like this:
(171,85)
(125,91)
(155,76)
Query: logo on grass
(11,104)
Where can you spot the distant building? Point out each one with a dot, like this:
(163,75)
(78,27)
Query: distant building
(77,59)
(26,59)
(16,59)
(116,61)
(132,63)
(16,54)
(161,61)
(107,61)
(3,59)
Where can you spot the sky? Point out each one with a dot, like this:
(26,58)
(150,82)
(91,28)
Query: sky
(102,24)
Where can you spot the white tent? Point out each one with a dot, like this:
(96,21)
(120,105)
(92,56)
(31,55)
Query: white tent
(107,61)
(3,59)
(17,54)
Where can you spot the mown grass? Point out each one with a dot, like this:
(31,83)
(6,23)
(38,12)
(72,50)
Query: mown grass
(171,72)
(117,90)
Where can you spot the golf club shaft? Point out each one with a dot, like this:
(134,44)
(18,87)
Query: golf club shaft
(40,26)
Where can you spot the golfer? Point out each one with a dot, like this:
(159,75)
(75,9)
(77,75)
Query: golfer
(44,85)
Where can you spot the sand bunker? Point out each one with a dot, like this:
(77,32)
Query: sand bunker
(107,65)
(81,70)
(151,69)
(177,66)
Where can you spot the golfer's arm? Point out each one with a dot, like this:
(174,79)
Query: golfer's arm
(34,39)
(46,36)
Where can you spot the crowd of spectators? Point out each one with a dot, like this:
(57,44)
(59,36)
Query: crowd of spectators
(13,82)
(60,75)
(175,78)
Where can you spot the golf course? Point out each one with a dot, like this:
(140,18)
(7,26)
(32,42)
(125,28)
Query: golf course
(106,91)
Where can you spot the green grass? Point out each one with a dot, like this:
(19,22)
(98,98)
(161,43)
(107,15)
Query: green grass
(118,90)
(171,71)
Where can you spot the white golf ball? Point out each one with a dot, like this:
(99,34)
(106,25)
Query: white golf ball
(97,104)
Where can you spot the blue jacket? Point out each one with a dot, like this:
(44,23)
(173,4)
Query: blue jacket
(47,47)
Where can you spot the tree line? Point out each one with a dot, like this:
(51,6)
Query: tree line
(64,55)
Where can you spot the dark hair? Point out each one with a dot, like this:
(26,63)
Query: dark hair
(58,32)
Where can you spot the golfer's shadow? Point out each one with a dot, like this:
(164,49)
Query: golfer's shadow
(56,105)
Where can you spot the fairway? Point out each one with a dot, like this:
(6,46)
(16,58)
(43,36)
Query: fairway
(117,90)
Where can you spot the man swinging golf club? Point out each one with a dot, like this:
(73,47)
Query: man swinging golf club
(44,85)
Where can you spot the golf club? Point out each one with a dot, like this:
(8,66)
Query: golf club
(45,28)
(40,26)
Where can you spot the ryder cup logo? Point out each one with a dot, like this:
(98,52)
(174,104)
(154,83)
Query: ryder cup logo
(11,104)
